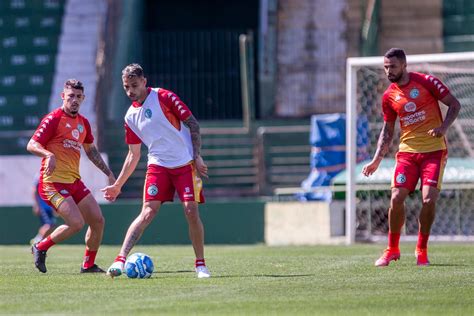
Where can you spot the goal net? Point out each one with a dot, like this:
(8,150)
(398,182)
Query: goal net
(367,199)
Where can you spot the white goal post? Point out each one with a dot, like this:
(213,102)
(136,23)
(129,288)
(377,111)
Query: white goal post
(456,66)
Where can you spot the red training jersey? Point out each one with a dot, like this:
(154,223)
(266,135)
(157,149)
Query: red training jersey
(416,103)
(63,135)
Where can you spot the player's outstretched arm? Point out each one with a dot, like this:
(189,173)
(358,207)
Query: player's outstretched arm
(194,129)
(94,156)
(451,115)
(37,149)
(131,161)
(383,146)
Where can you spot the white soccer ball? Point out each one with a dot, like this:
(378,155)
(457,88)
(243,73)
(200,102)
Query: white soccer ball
(139,265)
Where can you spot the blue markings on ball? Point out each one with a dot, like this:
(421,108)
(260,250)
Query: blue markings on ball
(139,265)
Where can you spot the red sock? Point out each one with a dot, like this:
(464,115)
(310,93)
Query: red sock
(89,258)
(121,259)
(422,241)
(200,262)
(393,240)
(45,244)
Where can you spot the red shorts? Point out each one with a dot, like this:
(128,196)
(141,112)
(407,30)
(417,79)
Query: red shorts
(54,193)
(429,167)
(161,183)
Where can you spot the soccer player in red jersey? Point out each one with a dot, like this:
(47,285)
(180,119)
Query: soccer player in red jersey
(161,121)
(58,140)
(422,154)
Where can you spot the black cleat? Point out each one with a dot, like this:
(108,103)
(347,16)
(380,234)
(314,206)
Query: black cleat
(40,258)
(94,269)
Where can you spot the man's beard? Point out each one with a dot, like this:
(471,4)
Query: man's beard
(396,79)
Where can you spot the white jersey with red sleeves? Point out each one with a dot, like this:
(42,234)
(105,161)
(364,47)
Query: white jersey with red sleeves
(157,123)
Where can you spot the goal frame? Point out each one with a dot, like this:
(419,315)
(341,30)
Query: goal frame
(352,66)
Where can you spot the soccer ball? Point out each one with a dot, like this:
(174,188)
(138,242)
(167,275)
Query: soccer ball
(139,265)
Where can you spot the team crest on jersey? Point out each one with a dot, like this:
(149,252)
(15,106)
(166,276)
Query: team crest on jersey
(75,133)
(410,107)
(148,113)
(401,178)
(152,190)
(414,93)
(80,128)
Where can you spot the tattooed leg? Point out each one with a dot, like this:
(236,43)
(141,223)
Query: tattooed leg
(136,229)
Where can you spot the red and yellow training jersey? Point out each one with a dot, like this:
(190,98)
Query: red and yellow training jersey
(63,135)
(416,104)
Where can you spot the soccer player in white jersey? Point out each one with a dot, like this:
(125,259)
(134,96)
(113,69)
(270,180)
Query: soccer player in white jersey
(161,121)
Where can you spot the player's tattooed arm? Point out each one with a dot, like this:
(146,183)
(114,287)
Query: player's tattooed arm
(194,129)
(383,146)
(94,156)
(193,126)
(385,140)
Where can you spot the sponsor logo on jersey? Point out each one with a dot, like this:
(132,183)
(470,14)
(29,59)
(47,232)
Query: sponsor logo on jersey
(401,178)
(187,189)
(75,133)
(152,190)
(64,191)
(414,93)
(68,125)
(410,107)
(148,113)
(398,97)
(413,118)
(431,181)
(80,128)
(69,143)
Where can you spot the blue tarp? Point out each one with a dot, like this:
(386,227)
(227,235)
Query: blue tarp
(328,151)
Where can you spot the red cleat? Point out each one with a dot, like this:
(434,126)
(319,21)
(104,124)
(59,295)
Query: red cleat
(422,257)
(388,255)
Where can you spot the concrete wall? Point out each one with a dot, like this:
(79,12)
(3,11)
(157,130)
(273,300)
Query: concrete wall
(415,26)
(236,222)
(224,222)
(303,223)
(311,57)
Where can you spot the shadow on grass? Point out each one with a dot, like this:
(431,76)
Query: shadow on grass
(447,265)
(241,276)
(179,271)
(265,276)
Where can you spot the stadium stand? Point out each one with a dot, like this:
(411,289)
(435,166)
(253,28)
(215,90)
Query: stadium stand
(458,26)
(29,32)
(240,164)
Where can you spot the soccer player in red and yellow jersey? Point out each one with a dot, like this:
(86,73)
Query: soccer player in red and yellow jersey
(58,140)
(413,97)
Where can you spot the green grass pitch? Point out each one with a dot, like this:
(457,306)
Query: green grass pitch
(249,280)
